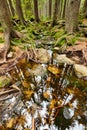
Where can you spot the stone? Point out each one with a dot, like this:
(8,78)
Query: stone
(62,59)
(80,70)
(43,55)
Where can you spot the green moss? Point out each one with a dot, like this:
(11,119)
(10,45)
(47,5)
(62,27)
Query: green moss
(4,81)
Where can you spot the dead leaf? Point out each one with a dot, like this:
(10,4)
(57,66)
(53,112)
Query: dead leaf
(49,79)
(10,123)
(25,84)
(46,95)
(53,103)
(54,70)
(28,93)
(70,91)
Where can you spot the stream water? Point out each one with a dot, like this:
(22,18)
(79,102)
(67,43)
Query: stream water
(50,97)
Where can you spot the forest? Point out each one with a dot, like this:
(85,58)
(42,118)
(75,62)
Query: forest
(43,64)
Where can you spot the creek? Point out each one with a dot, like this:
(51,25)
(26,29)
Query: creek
(47,97)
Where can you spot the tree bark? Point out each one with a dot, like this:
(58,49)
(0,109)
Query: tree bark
(7,28)
(11,8)
(6,24)
(63,15)
(36,11)
(55,14)
(19,11)
(85,8)
(71,15)
(50,8)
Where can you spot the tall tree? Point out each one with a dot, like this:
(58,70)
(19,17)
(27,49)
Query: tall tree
(19,11)
(50,8)
(11,8)
(7,28)
(36,11)
(55,14)
(71,15)
(63,15)
(85,8)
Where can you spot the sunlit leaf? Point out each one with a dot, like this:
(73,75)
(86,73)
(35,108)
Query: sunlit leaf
(28,93)
(53,103)
(54,70)
(70,105)
(27,73)
(70,91)
(25,84)
(10,123)
(46,95)
(21,120)
(49,79)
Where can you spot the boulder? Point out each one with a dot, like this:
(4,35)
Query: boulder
(63,59)
(80,70)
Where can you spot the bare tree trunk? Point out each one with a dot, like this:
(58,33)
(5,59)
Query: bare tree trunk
(36,11)
(55,14)
(71,15)
(85,9)
(19,11)
(63,15)
(11,8)
(7,28)
(50,8)
(6,24)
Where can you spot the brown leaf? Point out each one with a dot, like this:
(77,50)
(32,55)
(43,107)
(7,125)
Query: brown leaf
(25,84)
(46,95)
(10,123)
(53,103)
(28,93)
(54,70)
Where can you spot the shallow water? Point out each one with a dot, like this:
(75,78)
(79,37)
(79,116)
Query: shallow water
(50,98)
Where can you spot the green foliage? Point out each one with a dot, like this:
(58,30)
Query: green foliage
(57,33)
(4,81)
(71,39)
(60,41)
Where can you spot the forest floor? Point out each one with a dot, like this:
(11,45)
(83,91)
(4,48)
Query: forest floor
(26,79)
(51,38)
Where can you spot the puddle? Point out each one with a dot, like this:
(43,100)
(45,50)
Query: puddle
(50,98)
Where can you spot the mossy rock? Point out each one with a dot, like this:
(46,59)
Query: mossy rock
(4,81)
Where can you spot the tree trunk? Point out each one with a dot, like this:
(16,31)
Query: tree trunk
(71,15)
(50,8)
(63,15)
(7,28)
(85,8)
(55,14)
(6,24)
(11,8)
(19,11)
(36,11)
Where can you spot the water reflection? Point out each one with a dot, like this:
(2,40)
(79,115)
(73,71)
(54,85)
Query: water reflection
(48,101)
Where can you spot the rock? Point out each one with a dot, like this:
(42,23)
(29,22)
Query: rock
(10,55)
(63,59)
(38,70)
(43,55)
(80,70)
(4,81)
